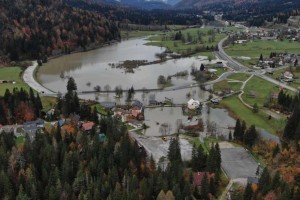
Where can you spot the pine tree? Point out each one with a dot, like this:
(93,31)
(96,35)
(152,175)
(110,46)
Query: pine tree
(194,160)
(237,130)
(212,186)
(292,124)
(261,58)
(204,187)
(248,192)
(218,157)
(71,85)
(202,67)
(276,181)
(264,182)
(250,136)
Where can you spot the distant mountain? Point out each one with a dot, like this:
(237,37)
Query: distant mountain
(229,3)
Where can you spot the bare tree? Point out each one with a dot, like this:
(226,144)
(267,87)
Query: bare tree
(97,88)
(107,88)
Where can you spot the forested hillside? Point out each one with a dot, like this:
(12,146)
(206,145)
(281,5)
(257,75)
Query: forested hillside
(30,29)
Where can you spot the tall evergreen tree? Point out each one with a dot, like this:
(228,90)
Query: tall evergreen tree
(71,85)
(237,130)
(204,188)
(264,182)
(248,192)
(292,124)
(250,136)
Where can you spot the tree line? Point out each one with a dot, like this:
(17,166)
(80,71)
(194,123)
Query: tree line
(19,106)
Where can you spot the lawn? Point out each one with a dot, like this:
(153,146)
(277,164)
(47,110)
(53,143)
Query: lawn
(20,140)
(262,90)
(225,85)
(239,76)
(254,48)
(134,34)
(260,119)
(100,109)
(48,102)
(11,73)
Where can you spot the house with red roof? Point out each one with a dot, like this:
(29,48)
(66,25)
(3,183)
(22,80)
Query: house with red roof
(87,126)
(136,110)
(198,177)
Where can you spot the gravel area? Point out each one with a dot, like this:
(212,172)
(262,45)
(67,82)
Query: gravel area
(238,163)
(158,147)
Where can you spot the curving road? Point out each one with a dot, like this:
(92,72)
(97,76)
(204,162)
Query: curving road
(28,77)
(221,54)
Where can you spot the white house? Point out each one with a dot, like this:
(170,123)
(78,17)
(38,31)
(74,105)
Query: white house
(193,104)
(288,75)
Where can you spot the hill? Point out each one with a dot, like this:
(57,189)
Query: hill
(32,29)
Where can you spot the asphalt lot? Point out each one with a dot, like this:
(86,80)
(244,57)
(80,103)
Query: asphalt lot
(158,147)
(238,163)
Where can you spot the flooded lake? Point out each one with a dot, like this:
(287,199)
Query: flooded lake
(94,67)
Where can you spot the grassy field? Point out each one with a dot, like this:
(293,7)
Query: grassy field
(260,119)
(11,73)
(180,47)
(134,34)
(20,140)
(254,48)
(100,109)
(225,85)
(262,90)
(239,76)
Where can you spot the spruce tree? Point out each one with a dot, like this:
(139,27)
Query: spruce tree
(292,124)
(218,157)
(264,183)
(250,136)
(248,192)
(204,187)
(237,130)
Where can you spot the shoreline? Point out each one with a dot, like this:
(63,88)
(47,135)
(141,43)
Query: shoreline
(29,74)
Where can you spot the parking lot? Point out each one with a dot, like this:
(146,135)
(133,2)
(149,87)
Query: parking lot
(238,163)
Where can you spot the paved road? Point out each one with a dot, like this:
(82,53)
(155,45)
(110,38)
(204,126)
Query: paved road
(28,77)
(241,68)
(221,54)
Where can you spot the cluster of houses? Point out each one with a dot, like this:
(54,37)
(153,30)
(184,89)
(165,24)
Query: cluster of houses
(30,128)
(280,59)
(133,115)
(267,34)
